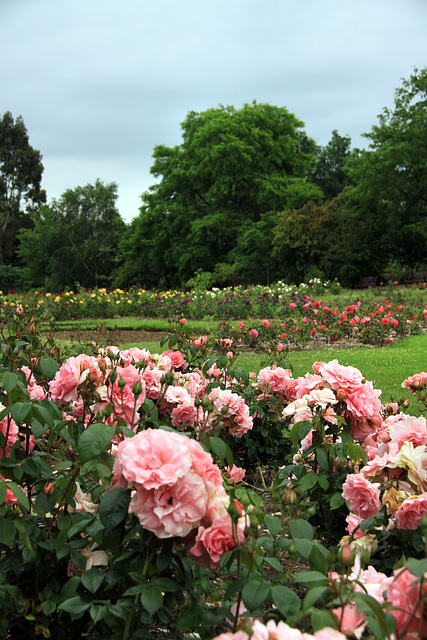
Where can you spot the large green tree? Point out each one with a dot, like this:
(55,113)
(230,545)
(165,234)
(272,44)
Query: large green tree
(232,167)
(21,194)
(75,239)
(391,176)
(329,171)
(334,240)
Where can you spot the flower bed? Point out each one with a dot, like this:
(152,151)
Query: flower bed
(126,512)
(267,316)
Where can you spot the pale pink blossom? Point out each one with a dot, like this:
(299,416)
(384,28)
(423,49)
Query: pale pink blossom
(409,429)
(172,509)
(417,381)
(403,592)
(339,376)
(212,542)
(177,359)
(362,496)
(236,474)
(411,511)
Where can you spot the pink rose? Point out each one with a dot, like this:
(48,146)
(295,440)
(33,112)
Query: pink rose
(404,594)
(177,359)
(213,542)
(340,377)
(363,402)
(172,510)
(349,619)
(411,511)
(417,381)
(353,521)
(409,429)
(184,413)
(63,387)
(151,459)
(362,496)
(236,474)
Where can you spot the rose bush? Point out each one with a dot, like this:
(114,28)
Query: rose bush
(124,516)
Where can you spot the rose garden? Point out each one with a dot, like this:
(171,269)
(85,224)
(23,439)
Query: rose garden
(169,493)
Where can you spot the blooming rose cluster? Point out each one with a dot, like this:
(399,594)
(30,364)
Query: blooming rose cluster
(334,390)
(116,383)
(175,485)
(279,631)
(402,591)
(230,411)
(395,475)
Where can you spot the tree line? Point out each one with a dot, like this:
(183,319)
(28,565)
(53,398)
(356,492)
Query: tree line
(247,197)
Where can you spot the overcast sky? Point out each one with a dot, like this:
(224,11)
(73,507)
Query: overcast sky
(99,83)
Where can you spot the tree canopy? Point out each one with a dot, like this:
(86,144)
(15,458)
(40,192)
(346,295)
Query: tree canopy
(232,167)
(21,194)
(75,239)
(391,176)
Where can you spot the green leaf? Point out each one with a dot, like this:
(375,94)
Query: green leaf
(417,567)
(336,501)
(49,607)
(165,584)
(70,587)
(323,481)
(285,600)
(7,531)
(255,593)
(313,595)
(23,533)
(304,428)
(322,458)
(190,618)
(273,524)
(309,481)
(114,507)
(3,491)
(321,619)
(92,580)
(75,606)
(301,529)
(304,547)
(151,598)
(218,447)
(274,563)
(19,495)
(94,440)
(10,381)
(357,452)
(98,612)
(20,411)
(311,578)
(49,367)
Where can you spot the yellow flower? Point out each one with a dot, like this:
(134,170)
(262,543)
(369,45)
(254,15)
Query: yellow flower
(57,299)
(48,295)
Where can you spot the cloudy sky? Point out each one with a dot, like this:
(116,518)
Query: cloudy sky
(100,82)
